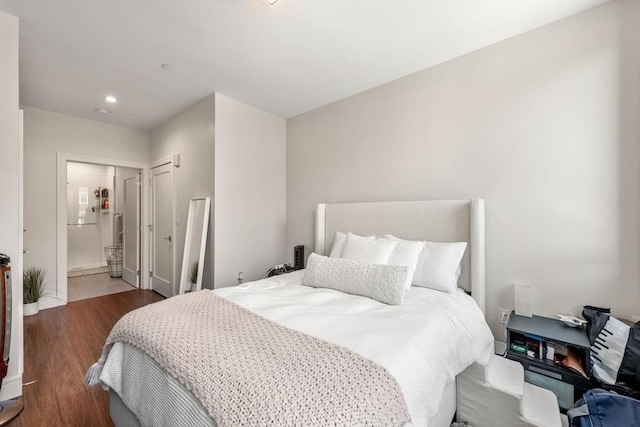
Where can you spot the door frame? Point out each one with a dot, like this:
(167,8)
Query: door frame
(61,221)
(174,160)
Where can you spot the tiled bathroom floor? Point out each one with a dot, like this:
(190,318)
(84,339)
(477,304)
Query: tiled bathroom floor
(95,285)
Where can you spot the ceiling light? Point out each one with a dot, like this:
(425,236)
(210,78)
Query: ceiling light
(168,67)
(110,98)
(102,111)
(272,2)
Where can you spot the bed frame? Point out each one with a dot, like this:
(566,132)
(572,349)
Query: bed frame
(436,221)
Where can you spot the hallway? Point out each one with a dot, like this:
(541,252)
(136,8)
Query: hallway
(95,285)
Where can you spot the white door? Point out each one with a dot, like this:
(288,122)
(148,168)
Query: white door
(131,231)
(162,226)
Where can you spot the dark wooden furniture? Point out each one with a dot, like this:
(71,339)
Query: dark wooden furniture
(540,367)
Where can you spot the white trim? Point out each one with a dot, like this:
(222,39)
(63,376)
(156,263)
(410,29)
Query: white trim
(162,161)
(477,243)
(320,228)
(61,221)
(11,386)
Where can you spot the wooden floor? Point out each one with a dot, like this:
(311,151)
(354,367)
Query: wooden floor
(59,346)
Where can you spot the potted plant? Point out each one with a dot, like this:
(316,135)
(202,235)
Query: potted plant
(193,276)
(33,288)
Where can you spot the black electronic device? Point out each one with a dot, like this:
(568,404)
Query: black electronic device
(298,257)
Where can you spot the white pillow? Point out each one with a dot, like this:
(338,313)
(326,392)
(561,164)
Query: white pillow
(374,251)
(406,253)
(339,240)
(384,283)
(438,266)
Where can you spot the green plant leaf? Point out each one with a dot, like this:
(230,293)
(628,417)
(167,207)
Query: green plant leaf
(33,284)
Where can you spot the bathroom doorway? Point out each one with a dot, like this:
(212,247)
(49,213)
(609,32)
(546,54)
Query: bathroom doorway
(103,229)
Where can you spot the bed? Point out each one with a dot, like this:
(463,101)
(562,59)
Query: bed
(439,334)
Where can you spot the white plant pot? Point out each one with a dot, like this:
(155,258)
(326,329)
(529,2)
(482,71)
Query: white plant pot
(31,309)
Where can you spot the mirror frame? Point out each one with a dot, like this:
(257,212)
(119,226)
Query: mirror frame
(187,244)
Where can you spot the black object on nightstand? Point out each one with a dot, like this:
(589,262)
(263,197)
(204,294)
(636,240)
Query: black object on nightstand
(553,355)
(278,270)
(298,257)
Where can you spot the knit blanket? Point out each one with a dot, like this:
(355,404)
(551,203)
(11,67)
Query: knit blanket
(247,370)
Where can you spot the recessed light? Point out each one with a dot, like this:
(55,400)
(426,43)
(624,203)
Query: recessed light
(166,67)
(110,98)
(102,111)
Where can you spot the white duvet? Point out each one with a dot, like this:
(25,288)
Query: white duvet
(423,343)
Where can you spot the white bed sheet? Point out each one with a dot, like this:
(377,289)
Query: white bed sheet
(423,343)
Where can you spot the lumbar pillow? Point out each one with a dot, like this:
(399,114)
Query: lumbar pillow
(372,250)
(438,266)
(406,253)
(384,283)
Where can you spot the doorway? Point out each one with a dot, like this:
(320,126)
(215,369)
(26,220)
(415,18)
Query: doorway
(61,283)
(103,229)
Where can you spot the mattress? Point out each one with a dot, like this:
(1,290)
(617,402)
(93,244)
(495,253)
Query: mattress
(423,343)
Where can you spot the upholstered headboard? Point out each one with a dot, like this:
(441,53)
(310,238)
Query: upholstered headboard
(434,220)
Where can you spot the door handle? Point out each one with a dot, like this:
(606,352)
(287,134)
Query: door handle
(167,238)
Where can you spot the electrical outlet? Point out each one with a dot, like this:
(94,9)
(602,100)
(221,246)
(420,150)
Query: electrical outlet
(503,316)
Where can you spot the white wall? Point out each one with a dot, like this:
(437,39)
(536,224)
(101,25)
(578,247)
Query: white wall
(543,126)
(234,154)
(89,224)
(11,201)
(47,134)
(190,134)
(250,189)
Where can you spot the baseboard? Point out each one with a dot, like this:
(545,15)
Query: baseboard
(11,388)
(87,271)
(51,301)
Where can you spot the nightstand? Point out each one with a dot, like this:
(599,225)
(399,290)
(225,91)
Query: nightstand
(543,346)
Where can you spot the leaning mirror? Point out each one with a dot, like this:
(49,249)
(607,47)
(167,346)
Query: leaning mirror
(195,245)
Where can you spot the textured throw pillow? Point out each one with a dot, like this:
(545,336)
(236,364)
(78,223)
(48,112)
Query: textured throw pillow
(384,283)
(372,250)
(438,266)
(406,253)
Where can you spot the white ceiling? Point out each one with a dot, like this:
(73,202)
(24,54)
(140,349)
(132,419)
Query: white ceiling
(287,59)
